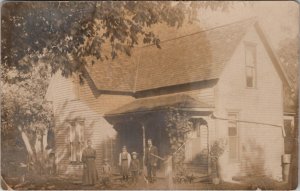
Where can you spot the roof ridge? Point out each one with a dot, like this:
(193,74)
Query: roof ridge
(213,28)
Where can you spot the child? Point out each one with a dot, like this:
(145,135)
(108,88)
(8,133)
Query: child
(134,167)
(51,163)
(106,173)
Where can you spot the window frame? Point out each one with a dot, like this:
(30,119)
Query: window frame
(81,139)
(237,136)
(247,47)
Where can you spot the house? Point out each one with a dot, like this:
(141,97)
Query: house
(227,79)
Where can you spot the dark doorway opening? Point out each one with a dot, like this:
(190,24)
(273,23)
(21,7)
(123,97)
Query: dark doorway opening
(130,134)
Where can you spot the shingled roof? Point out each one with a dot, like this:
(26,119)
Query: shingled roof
(191,58)
(114,75)
(195,57)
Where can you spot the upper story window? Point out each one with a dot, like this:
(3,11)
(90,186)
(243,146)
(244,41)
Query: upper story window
(250,61)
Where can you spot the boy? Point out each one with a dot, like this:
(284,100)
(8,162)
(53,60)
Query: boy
(106,173)
(134,167)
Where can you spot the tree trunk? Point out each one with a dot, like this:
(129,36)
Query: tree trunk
(26,142)
(37,156)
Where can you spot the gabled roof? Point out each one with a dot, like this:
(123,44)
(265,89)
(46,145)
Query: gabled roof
(192,58)
(195,57)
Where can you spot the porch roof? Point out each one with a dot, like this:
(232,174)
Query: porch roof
(182,101)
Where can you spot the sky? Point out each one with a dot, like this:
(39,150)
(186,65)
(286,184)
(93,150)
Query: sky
(279,19)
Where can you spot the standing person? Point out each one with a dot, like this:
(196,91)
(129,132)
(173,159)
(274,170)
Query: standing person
(124,163)
(106,173)
(151,161)
(90,175)
(135,167)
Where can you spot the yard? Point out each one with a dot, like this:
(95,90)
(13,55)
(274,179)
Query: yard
(67,183)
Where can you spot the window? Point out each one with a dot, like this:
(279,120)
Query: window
(76,131)
(233,136)
(250,59)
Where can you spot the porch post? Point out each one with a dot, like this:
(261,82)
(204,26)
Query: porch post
(208,155)
(210,131)
(144,144)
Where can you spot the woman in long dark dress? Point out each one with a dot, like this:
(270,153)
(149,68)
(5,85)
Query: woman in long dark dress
(90,175)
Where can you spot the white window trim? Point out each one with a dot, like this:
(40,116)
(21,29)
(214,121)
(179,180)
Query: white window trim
(237,159)
(69,140)
(250,44)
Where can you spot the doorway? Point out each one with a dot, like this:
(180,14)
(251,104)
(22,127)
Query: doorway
(130,134)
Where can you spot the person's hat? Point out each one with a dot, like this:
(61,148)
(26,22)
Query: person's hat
(124,147)
(134,153)
(105,160)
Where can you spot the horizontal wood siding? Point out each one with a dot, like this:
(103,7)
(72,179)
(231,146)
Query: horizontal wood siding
(72,101)
(203,137)
(260,150)
(260,146)
(205,95)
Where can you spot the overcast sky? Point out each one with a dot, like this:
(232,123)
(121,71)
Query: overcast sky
(280,19)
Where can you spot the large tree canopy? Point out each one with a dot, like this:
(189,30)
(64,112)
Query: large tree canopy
(66,32)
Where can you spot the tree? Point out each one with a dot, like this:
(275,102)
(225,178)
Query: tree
(288,54)
(25,114)
(67,32)
(289,57)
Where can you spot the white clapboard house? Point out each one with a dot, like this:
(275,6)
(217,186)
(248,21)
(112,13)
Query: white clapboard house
(227,78)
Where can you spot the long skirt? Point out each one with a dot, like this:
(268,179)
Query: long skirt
(90,175)
(124,168)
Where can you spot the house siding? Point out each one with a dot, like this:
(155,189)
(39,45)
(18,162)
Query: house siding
(73,101)
(260,146)
(204,95)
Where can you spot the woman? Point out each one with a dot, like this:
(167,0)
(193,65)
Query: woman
(90,175)
(124,162)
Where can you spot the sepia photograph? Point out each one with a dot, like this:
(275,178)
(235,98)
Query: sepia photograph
(149,95)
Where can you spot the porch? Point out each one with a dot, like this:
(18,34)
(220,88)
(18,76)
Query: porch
(177,124)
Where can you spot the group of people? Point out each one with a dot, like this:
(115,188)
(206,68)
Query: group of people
(129,164)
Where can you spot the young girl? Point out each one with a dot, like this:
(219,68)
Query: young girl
(124,162)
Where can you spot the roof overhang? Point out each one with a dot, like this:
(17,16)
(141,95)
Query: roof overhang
(144,106)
